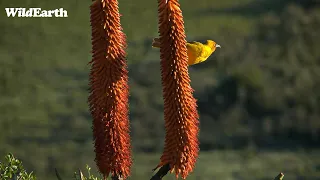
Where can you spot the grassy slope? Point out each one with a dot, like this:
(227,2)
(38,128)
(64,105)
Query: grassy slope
(236,165)
(230,165)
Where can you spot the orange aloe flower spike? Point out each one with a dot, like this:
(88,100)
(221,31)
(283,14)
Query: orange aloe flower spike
(108,99)
(180,108)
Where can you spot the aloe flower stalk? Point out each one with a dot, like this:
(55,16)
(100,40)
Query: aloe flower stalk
(108,99)
(180,108)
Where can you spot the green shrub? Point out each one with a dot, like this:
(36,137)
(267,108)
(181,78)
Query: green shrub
(12,168)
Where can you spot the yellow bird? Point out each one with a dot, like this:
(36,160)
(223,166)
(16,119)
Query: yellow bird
(197,52)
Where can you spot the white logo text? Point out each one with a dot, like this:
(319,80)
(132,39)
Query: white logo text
(35,12)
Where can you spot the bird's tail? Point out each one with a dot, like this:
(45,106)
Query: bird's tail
(156,43)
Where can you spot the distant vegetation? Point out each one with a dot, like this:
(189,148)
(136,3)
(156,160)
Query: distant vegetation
(261,90)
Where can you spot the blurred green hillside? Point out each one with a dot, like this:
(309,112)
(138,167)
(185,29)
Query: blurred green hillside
(261,90)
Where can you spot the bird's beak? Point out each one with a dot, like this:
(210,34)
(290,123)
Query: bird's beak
(218,46)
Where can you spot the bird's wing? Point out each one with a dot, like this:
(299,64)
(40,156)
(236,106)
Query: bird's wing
(195,48)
